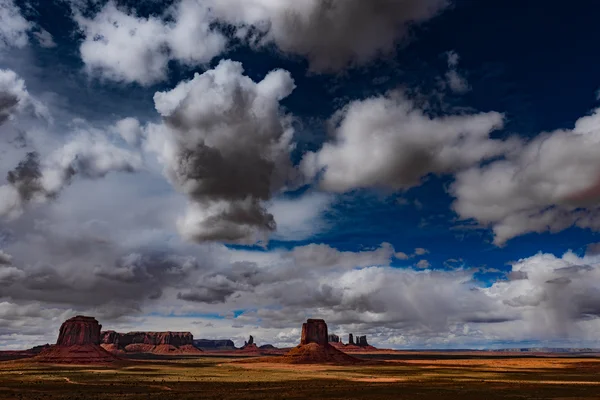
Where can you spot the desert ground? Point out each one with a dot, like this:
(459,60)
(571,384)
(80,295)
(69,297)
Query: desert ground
(412,375)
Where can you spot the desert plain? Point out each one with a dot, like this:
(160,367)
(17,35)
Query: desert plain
(390,375)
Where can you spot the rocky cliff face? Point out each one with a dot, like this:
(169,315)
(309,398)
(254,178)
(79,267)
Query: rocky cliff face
(149,342)
(333,338)
(176,339)
(314,331)
(350,339)
(79,330)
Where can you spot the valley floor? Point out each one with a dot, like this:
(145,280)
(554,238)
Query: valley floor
(448,376)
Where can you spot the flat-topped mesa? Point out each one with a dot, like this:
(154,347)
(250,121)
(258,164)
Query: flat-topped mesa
(208,344)
(333,338)
(176,339)
(79,330)
(350,339)
(314,331)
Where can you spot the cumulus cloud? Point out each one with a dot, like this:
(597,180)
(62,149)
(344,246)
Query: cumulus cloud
(547,297)
(554,295)
(130,130)
(419,251)
(121,46)
(330,34)
(15,99)
(398,145)
(225,143)
(549,184)
(13,27)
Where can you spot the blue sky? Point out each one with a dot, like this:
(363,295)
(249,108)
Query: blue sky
(424,174)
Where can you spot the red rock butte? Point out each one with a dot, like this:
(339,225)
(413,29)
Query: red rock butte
(314,331)
(313,349)
(79,330)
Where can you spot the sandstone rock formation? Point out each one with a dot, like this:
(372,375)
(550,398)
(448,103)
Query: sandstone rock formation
(149,342)
(361,341)
(250,346)
(358,343)
(333,338)
(79,330)
(78,343)
(314,331)
(314,348)
(214,345)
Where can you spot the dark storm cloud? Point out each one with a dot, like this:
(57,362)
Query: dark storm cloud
(5,259)
(26,177)
(226,144)
(8,102)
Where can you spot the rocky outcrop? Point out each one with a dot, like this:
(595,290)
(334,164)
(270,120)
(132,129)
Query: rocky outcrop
(333,338)
(350,339)
(149,342)
(361,341)
(212,345)
(79,330)
(250,346)
(314,331)
(78,343)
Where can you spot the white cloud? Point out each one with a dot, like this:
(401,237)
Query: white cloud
(123,47)
(130,130)
(13,27)
(45,38)
(330,34)
(455,81)
(388,142)
(15,98)
(301,218)
(423,264)
(550,184)
(419,251)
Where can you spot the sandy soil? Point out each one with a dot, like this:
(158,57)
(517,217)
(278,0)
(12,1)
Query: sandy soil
(211,378)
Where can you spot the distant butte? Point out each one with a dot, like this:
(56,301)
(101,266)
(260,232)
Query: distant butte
(314,348)
(149,342)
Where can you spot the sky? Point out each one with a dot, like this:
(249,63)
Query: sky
(423,172)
